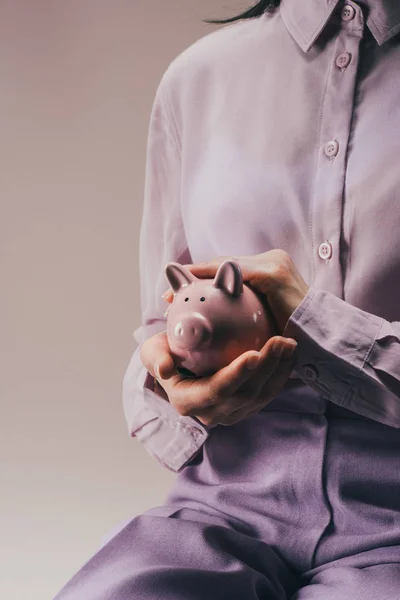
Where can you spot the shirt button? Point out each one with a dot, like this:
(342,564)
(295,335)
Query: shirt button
(325,250)
(343,60)
(310,372)
(332,148)
(348,13)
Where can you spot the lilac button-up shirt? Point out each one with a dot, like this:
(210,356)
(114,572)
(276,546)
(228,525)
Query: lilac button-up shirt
(283,132)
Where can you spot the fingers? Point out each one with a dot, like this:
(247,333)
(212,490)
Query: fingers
(269,390)
(155,355)
(253,394)
(277,381)
(265,377)
(217,393)
(227,381)
(199,394)
(220,389)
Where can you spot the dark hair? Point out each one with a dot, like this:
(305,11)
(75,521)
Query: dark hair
(255,11)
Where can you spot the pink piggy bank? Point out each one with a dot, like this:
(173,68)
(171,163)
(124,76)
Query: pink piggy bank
(213,321)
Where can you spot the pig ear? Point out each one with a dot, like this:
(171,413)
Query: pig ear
(178,275)
(229,278)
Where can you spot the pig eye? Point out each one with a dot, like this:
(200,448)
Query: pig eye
(202,299)
(186,299)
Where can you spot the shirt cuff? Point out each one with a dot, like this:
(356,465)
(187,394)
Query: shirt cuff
(170,438)
(334,339)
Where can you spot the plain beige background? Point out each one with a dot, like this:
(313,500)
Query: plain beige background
(77,82)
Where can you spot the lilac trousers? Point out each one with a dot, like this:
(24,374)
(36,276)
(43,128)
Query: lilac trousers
(298,502)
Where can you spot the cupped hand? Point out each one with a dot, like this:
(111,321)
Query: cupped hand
(233,393)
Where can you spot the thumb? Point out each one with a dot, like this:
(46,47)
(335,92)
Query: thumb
(155,355)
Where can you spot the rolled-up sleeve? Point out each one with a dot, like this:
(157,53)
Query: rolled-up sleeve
(169,437)
(350,356)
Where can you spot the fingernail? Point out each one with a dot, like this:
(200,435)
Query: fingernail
(289,350)
(278,351)
(253,361)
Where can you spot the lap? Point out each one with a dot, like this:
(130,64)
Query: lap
(181,554)
(263,520)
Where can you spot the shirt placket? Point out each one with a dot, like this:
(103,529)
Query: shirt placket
(335,126)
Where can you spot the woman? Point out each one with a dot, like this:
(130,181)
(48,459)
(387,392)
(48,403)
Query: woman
(274,140)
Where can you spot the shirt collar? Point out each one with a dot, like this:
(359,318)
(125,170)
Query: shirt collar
(307,18)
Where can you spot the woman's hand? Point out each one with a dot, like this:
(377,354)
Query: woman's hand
(271,273)
(231,394)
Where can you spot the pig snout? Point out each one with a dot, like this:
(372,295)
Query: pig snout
(192,331)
